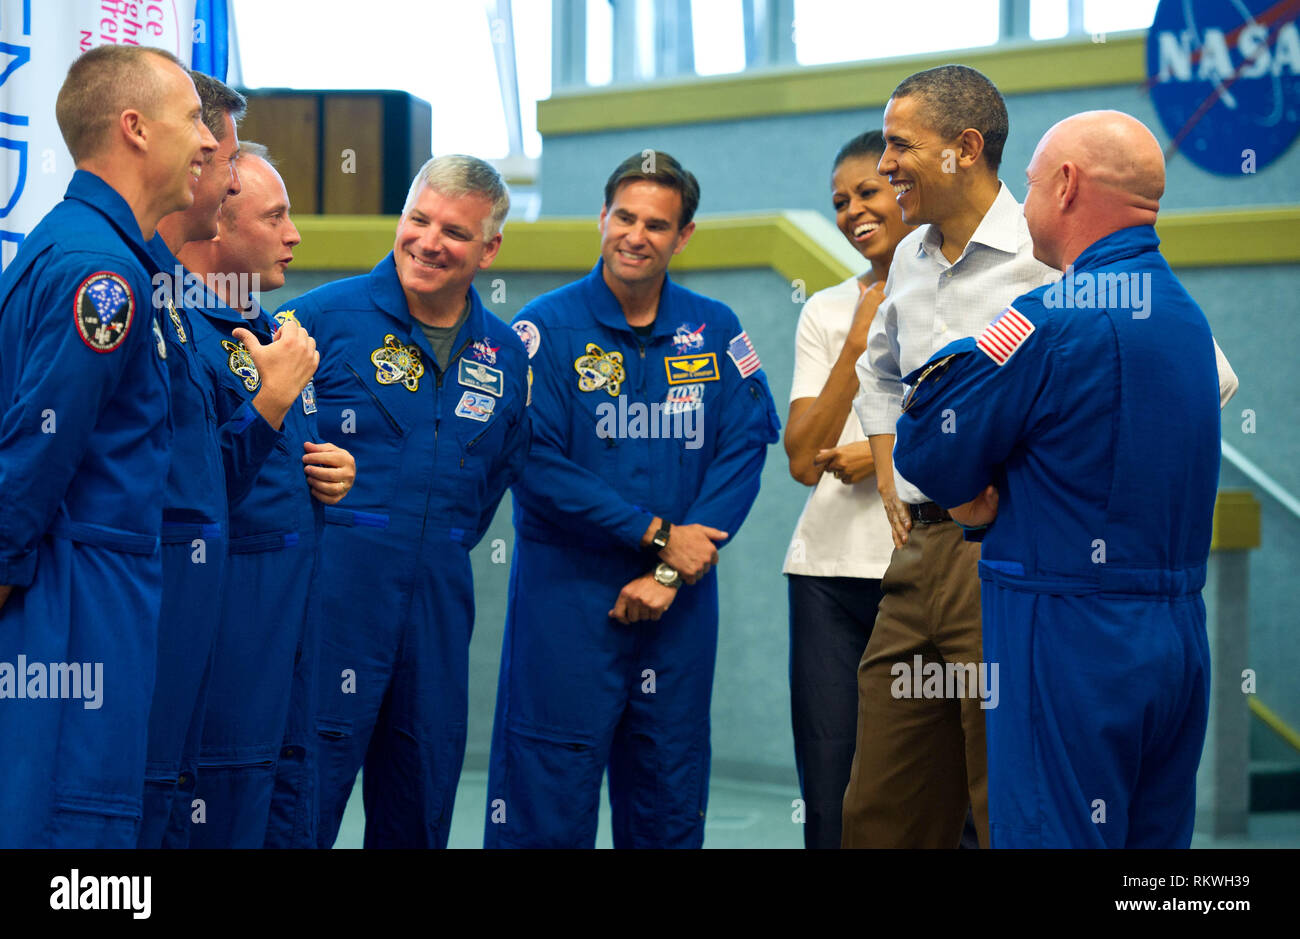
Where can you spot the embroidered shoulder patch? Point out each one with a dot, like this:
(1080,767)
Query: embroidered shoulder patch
(103,309)
(529,335)
(1002,337)
(742,353)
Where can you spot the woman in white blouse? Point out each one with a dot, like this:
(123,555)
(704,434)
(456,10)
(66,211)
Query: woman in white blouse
(841,545)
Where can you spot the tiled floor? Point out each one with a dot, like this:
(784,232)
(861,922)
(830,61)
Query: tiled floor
(751,815)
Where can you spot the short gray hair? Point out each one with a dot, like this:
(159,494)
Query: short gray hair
(253,148)
(455,175)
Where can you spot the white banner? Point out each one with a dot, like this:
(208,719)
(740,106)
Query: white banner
(38,41)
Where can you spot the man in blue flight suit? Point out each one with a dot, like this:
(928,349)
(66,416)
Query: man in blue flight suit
(651,422)
(207,459)
(1079,433)
(84,439)
(255,782)
(434,390)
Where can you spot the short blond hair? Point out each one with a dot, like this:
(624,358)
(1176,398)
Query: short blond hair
(102,83)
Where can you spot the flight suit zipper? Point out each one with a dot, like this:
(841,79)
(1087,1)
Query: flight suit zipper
(375,398)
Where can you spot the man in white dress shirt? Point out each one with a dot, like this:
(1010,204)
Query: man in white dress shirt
(920,758)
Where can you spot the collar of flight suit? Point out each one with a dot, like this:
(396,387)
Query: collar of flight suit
(1124,243)
(609,312)
(93,191)
(212,305)
(387,294)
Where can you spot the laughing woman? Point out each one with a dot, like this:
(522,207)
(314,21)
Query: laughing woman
(842,543)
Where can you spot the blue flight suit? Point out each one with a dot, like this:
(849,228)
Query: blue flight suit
(435,452)
(195,525)
(256,776)
(84,438)
(1100,430)
(578,690)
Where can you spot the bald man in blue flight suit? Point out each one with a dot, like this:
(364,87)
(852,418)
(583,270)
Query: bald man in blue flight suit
(84,438)
(256,777)
(651,422)
(431,390)
(1078,436)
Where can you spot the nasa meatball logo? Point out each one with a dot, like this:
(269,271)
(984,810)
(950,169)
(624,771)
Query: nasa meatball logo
(1224,77)
(103,310)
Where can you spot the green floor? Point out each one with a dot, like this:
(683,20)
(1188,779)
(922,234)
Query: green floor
(749,815)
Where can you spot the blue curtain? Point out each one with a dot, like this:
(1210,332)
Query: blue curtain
(212,56)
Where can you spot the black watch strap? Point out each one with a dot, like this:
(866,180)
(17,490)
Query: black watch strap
(660,540)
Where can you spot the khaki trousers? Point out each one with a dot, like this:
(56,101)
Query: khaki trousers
(920,760)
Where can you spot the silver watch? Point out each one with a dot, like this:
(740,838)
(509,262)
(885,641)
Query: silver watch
(667,575)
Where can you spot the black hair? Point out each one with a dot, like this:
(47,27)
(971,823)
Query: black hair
(955,97)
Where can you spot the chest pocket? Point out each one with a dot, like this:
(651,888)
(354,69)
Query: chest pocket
(368,424)
(478,422)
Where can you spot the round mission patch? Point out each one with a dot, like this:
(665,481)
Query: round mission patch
(103,310)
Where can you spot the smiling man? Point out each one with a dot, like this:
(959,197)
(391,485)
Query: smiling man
(920,761)
(1096,506)
(256,775)
(431,389)
(84,447)
(611,628)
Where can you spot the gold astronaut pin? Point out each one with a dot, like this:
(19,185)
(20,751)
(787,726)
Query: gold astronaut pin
(176,321)
(396,362)
(600,369)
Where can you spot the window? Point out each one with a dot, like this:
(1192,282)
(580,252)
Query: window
(440,52)
(833,31)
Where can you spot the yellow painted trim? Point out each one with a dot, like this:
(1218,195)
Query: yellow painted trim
(1051,65)
(1263,235)
(798,245)
(1274,722)
(1236,521)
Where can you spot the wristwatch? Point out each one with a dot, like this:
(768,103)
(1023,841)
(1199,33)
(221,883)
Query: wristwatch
(667,575)
(660,540)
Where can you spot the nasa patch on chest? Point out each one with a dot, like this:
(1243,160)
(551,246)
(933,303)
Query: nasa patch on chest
(103,309)
(480,376)
(475,406)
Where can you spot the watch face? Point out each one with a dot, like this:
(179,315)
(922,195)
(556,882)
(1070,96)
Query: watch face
(665,575)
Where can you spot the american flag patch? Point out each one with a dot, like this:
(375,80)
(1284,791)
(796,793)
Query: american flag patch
(1002,337)
(742,353)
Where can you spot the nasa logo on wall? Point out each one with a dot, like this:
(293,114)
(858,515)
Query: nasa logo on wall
(1224,77)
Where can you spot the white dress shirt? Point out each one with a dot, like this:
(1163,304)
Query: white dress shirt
(930,303)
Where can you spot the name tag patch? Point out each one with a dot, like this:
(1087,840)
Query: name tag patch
(481,376)
(686,369)
(475,406)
